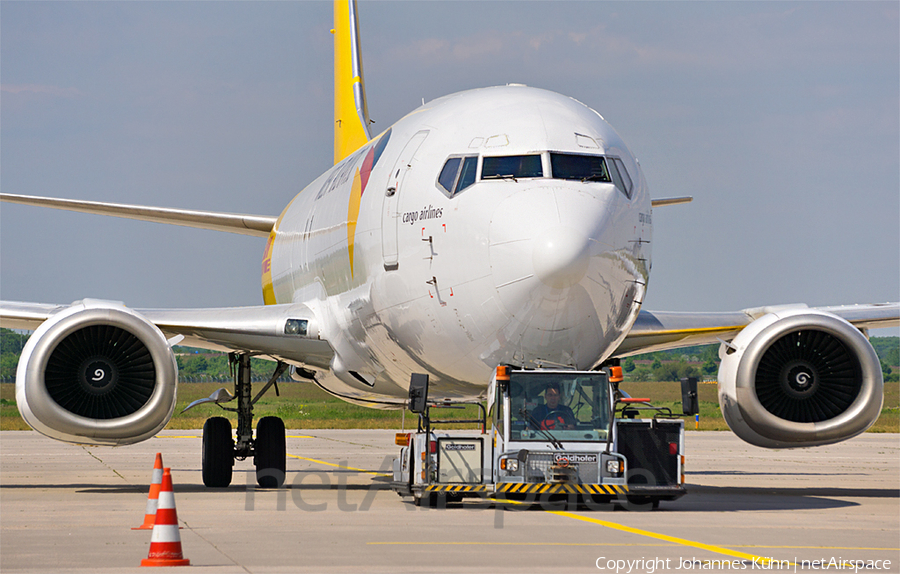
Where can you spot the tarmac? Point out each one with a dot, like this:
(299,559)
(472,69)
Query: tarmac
(66,508)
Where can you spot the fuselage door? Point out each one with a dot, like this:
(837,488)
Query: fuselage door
(390,216)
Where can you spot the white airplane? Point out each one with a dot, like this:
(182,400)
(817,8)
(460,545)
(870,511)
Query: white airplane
(499,226)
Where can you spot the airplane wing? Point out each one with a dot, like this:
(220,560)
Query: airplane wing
(256,330)
(256,225)
(662,330)
(663,201)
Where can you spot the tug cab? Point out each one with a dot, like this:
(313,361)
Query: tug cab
(553,434)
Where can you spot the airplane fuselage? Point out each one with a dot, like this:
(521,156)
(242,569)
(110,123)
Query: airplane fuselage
(505,225)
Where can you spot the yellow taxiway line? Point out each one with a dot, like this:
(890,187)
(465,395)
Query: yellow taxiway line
(339,465)
(664,537)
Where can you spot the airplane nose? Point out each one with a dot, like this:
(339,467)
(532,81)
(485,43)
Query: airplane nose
(560,257)
(544,239)
(559,276)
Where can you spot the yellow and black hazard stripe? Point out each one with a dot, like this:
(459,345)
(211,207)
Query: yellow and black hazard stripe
(545,488)
(456,488)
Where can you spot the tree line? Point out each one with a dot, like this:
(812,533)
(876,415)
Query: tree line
(702,361)
(194,365)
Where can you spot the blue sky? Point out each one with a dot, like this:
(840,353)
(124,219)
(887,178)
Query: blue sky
(782,119)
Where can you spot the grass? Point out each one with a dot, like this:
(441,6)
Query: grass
(668,394)
(301,406)
(305,406)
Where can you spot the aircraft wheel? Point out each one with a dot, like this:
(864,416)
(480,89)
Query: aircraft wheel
(271,453)
(217,452)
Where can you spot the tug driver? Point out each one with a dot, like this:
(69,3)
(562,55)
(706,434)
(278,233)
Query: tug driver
(551,415)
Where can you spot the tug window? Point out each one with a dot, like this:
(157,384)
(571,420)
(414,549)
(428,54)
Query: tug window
(580,167)
(458,173)
(512,166)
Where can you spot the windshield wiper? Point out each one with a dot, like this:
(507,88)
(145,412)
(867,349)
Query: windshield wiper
(546,433)
(595,177)
(500,176)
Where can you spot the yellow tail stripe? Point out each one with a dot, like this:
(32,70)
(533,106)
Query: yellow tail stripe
(351,115)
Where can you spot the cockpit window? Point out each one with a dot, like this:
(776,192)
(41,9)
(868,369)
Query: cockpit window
(621,177)
(580,167)
(448,174)
(467,173)
(592,168)
(458,173)
(512,166)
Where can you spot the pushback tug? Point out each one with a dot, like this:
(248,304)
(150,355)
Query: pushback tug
(553,434)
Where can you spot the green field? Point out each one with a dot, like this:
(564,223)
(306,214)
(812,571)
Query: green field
(300,405)
(303,405)
(669,394)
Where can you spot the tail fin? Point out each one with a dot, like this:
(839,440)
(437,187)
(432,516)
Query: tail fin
(351,115)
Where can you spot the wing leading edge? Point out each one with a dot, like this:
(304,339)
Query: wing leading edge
(256,225)
(663,330)
(258,330)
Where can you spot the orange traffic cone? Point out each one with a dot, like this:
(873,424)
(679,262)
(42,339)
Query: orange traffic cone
(153,497)
(165,542)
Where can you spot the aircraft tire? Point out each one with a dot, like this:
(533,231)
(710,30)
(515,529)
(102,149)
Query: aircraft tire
(218,452)
(271,452)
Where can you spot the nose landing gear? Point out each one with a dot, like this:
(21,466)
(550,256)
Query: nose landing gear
(268,449)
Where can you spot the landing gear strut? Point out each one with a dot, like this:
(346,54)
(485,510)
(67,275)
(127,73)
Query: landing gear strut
(268,449)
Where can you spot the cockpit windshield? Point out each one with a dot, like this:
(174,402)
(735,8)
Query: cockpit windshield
(571,407)
(511,166)
(580,167)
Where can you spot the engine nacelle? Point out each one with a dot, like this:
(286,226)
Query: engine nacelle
(799,378)
(97,373)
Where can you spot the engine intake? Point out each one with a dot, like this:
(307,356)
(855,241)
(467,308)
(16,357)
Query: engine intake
(97,373)
(799,378)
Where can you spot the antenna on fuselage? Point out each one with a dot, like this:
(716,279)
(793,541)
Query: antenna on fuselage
(351,113)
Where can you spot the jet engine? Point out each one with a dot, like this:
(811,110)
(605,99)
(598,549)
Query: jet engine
(97,373)
(799,378)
